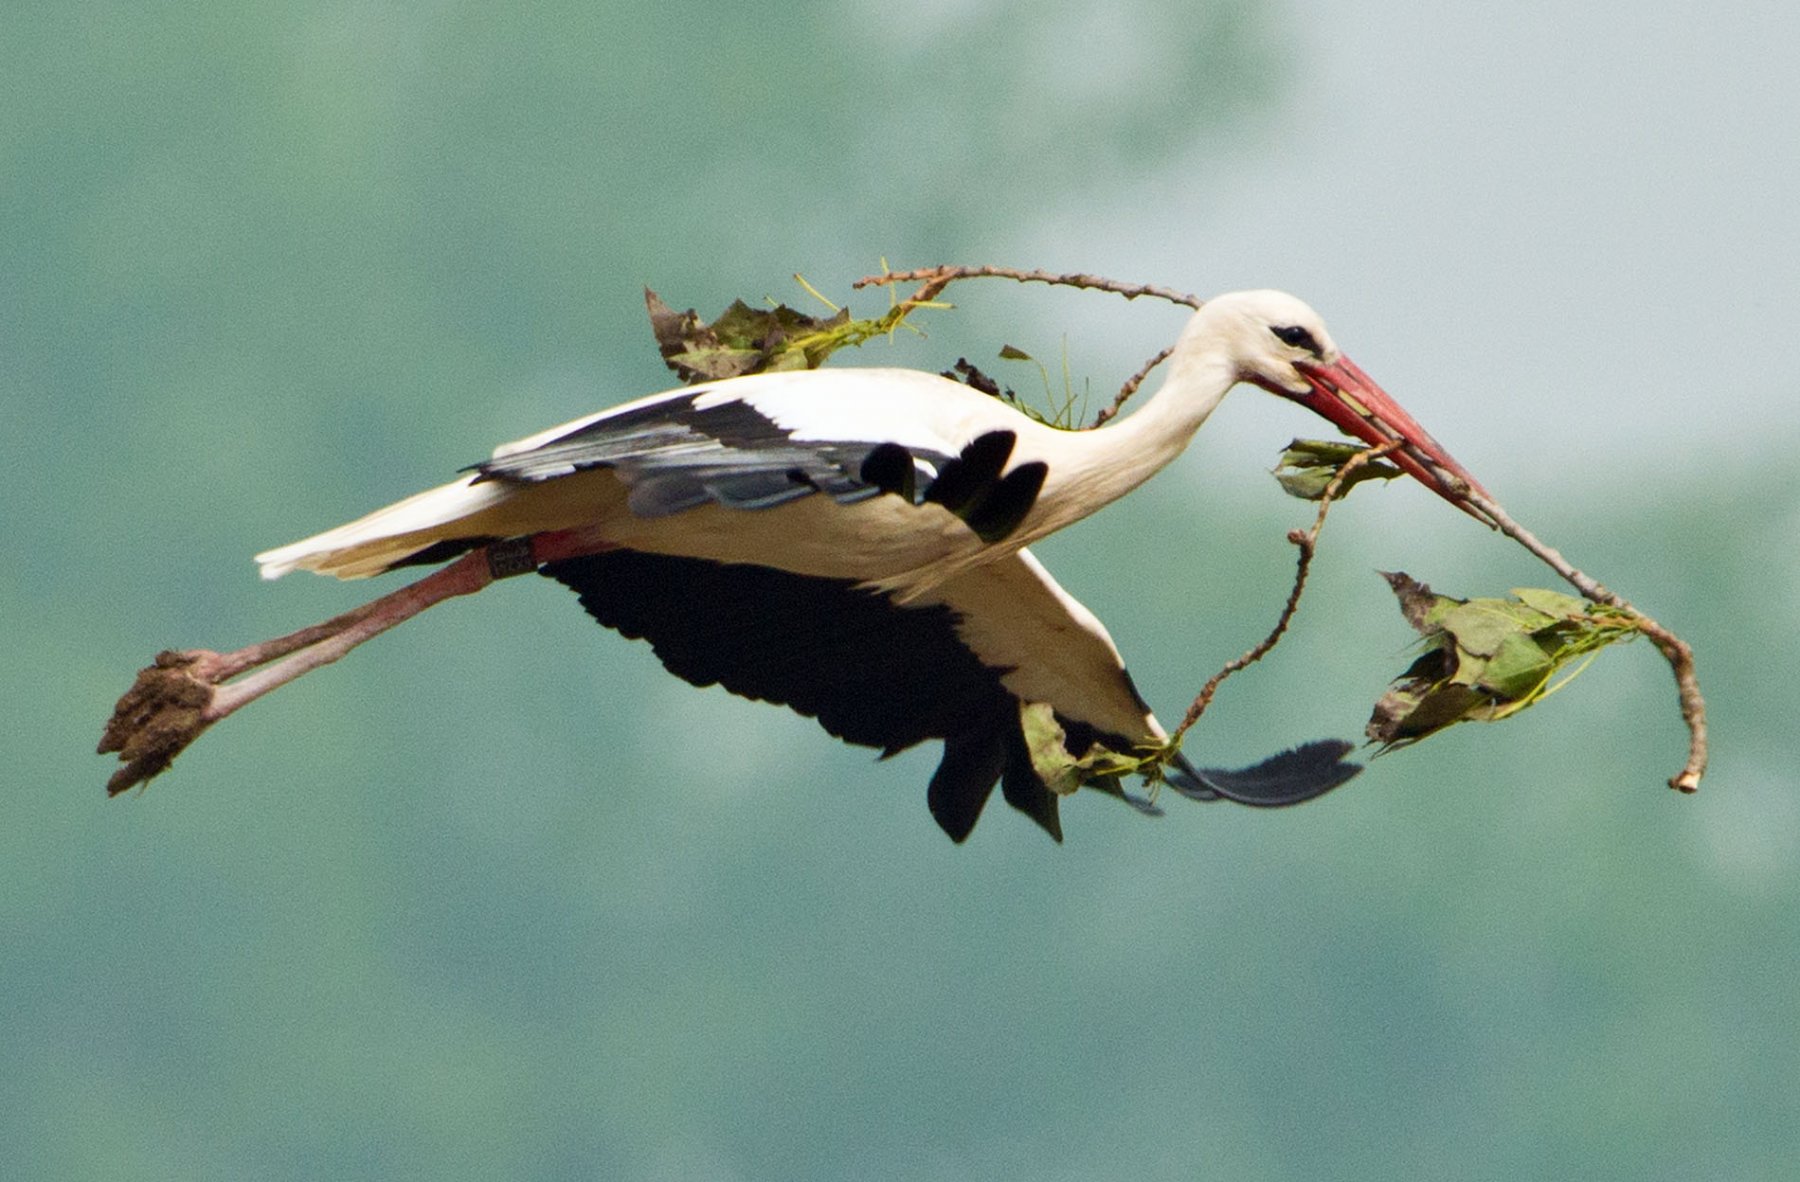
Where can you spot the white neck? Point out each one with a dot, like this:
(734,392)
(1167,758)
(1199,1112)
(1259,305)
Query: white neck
(1100,466)
(1232,336)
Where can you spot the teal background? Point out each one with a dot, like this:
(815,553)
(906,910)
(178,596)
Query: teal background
(496,897)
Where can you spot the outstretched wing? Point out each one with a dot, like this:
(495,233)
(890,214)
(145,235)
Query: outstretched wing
(953,664)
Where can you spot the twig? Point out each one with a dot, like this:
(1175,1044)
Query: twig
(935,279)
(1131,387)
(1307,541)
(1676,650)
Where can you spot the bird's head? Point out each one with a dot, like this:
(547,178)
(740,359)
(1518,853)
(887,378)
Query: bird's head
(1275,341)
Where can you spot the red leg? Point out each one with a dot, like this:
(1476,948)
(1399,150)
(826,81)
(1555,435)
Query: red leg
(279,661)
(174,700)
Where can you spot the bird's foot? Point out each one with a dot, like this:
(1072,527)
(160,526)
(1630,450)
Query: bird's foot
(166,708)
(183,693)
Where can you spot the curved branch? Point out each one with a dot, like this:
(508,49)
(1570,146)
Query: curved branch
(1307,540)
(1675,650)
(936,279)
(933,281)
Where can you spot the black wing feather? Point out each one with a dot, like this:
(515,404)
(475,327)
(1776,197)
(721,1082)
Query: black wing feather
(964,780)
(872,672)
(881,675)
(674,456)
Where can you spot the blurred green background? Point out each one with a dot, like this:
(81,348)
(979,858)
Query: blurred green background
(498,898)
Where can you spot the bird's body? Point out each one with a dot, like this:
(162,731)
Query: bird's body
(675,473)
(736,530)
(852,543)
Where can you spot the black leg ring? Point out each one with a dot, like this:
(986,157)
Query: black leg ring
(510,557)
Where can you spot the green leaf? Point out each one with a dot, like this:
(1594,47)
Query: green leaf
(1487,659)
(1308,466)
(1518,667)
(1482,625)
(1551,603)
(1044,743)
(1062,773)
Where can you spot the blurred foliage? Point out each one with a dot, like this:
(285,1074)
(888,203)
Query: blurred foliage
(499,898)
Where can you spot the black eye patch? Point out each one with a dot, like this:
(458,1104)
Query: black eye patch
(1298,337)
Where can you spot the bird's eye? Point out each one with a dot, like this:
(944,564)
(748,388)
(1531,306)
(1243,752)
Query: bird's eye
(1296,336)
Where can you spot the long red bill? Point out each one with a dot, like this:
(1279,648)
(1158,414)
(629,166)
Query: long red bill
(1350,399)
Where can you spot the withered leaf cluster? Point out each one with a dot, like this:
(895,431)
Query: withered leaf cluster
(743,339)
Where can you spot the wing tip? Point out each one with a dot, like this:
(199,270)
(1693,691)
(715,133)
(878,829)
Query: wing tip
(1291,777)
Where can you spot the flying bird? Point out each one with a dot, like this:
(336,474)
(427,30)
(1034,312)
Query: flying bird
(851,543)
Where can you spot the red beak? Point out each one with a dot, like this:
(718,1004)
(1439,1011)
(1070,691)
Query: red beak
(1350,399)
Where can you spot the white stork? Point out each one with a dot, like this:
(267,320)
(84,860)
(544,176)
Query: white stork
(850,543)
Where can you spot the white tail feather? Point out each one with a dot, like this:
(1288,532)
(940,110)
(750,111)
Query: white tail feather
(369,545)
